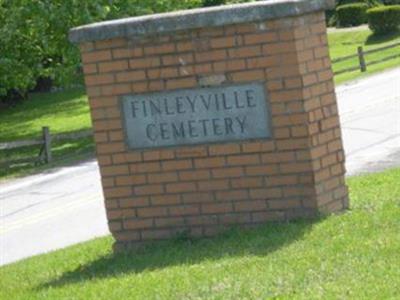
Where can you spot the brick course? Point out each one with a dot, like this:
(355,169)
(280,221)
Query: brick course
(155,194)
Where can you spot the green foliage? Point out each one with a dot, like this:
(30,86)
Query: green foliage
(391,2)
(330,17)
(384,19)
(34,35)
(352,14)
(34,40)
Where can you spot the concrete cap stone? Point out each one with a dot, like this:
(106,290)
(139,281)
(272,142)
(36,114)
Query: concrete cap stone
(196,18)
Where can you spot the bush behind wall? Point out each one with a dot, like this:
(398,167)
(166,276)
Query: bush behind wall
(384,19)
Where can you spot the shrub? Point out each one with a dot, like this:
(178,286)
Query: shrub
(391,2)
(330,18)
(352,14)
(384,19)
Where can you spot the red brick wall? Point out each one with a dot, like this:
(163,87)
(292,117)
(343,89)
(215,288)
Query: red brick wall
(155,194)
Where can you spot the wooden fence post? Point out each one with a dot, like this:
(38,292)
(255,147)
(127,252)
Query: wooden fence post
(47,144)
(361,59)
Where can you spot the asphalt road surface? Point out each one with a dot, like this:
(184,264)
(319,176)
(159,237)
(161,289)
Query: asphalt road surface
(370,116)
(49,211)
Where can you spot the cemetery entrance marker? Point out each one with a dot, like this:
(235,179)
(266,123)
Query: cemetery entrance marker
(214,117)
(196,116)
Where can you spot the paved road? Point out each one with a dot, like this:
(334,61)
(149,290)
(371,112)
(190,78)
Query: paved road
(370,115)
(50,211)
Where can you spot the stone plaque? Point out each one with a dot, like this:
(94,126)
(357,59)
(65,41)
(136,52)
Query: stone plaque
(196,116)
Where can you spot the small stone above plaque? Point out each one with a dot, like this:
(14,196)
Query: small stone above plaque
(196,116)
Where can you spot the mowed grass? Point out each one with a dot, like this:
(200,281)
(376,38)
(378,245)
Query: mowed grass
(65,111)
(354,255)
(346,43)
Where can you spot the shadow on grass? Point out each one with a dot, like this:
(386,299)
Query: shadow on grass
(378,39)
(261,241)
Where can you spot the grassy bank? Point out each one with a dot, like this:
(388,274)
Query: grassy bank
(354,255)
(346,43)
(66,111)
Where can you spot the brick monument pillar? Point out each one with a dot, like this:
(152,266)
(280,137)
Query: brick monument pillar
(214,117)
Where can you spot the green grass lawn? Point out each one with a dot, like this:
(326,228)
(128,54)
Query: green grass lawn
(65,111)
(355,255)
(68,111)
(346,43)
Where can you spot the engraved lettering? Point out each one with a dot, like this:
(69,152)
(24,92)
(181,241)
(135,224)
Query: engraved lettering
(151,135)
(155,108)
(192,103)
(206,103)
(216,102)
(179,105)
(229,126)
(237,102)
(217,127)
(250,98)
(134,108)
(192,129)
(168,110)
(204,123)
(241,122)
(164,131)
(218,114)
(226,107)
(144,108)
(178,132)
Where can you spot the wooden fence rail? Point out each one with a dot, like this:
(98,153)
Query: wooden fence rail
(45,141)
(363,64)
